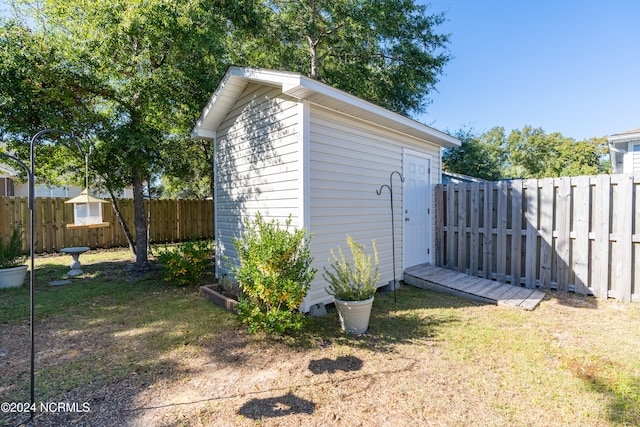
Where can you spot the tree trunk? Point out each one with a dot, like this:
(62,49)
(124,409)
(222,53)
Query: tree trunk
(140,220)
(149,215)
(123,224)
(313,58)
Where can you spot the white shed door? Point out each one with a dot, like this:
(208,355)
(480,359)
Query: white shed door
(417,210)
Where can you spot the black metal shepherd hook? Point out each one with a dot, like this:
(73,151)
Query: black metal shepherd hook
(30,170)
(393,235)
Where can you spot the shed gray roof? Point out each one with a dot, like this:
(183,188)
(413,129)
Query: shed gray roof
(302,87)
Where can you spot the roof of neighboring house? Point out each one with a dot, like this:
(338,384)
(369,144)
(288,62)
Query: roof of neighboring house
(7,172)
(302,87)
(618,147)
(454,178)
(625,136)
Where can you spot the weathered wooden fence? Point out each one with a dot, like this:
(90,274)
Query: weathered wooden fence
(577,234)
(171,221)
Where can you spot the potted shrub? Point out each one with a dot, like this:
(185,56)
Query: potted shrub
(12,257)
(353,285)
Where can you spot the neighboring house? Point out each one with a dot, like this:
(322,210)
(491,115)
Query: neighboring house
(6,181)
(624,149)
(287,144)
(458,178)
(10,185)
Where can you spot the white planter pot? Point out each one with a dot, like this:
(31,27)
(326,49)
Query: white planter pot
(354,315)
(12,277)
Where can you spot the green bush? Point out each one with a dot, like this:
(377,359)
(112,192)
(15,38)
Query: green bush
(274,275)
(11,253)
(353,282)
(185,264)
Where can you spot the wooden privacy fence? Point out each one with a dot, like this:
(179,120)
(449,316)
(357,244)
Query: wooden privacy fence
(171,221)
(577,234)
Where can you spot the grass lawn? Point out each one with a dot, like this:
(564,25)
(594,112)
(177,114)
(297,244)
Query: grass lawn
(139,351)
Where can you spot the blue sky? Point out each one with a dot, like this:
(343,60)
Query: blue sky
(566,66)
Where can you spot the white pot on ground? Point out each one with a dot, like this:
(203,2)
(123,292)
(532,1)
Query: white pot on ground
(12,277)
(354,315)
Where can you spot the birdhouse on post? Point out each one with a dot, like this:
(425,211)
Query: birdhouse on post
(87,211)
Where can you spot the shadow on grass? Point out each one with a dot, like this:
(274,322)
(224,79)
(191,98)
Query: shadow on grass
(620,388)
(342,363)
(573,300)
(624,406)
(272,407)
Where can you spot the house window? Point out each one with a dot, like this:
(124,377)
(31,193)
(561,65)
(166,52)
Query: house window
(6,187)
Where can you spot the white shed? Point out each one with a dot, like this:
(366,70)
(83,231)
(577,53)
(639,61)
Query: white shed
(287,144)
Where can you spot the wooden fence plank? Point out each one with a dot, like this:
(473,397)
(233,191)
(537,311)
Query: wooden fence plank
(439,224)
(487,235)
(4,216)
(546,232)
(581,212)
(474,234)
(635,290)
(563,229)
(501,232)
(600,259)
(462,228)
(516,232)
(623,217)
(531,246)
(451,222)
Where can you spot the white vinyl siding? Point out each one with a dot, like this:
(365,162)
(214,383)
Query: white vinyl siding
(349,161)
(257,164)
(636,159)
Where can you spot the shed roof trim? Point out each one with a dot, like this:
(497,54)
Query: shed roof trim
(302,87)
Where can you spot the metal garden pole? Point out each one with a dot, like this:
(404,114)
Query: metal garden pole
(393,235)
(31,176)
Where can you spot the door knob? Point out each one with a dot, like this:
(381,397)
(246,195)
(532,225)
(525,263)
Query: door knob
(406,219)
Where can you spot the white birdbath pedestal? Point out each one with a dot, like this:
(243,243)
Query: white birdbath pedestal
(75,252)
